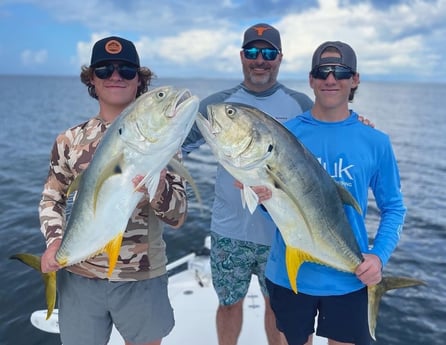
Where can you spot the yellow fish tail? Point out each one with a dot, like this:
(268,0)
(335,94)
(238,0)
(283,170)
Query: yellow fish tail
(49,279)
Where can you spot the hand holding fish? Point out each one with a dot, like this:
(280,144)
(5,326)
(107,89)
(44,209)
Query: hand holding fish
(48,261)
(161,186)
(263,192)
(370,270)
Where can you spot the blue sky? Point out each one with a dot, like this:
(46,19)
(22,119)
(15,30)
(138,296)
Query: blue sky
(395,40)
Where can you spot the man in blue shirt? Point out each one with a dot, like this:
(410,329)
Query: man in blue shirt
(358,157)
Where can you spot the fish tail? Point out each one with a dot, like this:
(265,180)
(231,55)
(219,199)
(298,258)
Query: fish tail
(375,293)
(49,279)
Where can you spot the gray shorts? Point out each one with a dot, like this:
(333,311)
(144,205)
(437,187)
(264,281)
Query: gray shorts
(140,310)
(233,262)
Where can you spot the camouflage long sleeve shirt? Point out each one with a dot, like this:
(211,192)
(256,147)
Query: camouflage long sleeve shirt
(143,253)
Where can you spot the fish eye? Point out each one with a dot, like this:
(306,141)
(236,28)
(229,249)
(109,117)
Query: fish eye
(161,94)
(230,112)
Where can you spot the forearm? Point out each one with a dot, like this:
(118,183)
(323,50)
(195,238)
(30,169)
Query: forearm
(52,214)
(171,205)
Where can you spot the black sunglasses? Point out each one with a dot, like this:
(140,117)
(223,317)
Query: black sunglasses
(125,71)
(339,72)
(268,54)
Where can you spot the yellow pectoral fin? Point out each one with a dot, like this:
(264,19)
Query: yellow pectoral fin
(294,258)
(112,249)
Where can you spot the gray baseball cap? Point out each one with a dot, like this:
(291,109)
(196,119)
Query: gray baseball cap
(262,32)
(348,56)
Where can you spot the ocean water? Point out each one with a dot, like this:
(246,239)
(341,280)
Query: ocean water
(33,110)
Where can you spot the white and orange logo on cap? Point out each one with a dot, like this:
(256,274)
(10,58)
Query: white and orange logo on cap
(113,47)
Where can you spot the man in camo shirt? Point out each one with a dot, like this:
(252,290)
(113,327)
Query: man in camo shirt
(135,297)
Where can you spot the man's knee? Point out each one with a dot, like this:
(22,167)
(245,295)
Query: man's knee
(237,306)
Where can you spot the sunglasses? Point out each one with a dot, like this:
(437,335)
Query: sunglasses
(339,72)
(125,71)
(268,54)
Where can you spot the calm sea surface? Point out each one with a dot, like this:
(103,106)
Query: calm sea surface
(33,110)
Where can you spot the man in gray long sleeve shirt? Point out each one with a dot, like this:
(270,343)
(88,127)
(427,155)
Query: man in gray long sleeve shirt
(240,241)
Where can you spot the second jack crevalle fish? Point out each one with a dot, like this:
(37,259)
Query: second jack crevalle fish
(307,205)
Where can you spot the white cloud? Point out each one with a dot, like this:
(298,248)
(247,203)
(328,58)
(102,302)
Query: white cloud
(32,58)
(83,49)
(403,39)
(385,41)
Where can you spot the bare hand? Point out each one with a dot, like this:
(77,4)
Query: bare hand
(263,192)
(161,186)
(366,121)
(370,270)
(48,261)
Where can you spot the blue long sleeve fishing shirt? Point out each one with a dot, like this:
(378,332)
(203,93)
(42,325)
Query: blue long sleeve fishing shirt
(360,158)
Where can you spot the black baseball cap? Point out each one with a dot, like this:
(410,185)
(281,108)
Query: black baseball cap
(262,32)
(114,48)
(348,56)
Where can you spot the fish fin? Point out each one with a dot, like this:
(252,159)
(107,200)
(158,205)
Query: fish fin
(152,185)
(347,198)
(49,279)
(74,186)
(31,260)
(176,166)
(50,292)
(294,258)
(112,249)
(242,195)
(142,183)
(375,292)
(280,184)
(112,168)
(249,198)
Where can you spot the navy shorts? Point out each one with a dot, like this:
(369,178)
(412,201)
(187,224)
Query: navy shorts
(342,318)
(140,310)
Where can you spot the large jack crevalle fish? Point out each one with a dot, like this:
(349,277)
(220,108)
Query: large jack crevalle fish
(307,205)
(141,141)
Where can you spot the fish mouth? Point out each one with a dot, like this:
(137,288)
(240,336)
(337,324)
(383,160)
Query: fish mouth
(228,149)
(168,103)
(180,102)
(214,125)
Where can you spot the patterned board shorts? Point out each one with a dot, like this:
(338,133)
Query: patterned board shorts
(233,262)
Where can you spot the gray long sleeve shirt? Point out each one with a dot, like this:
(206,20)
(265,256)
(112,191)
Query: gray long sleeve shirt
(229,218)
